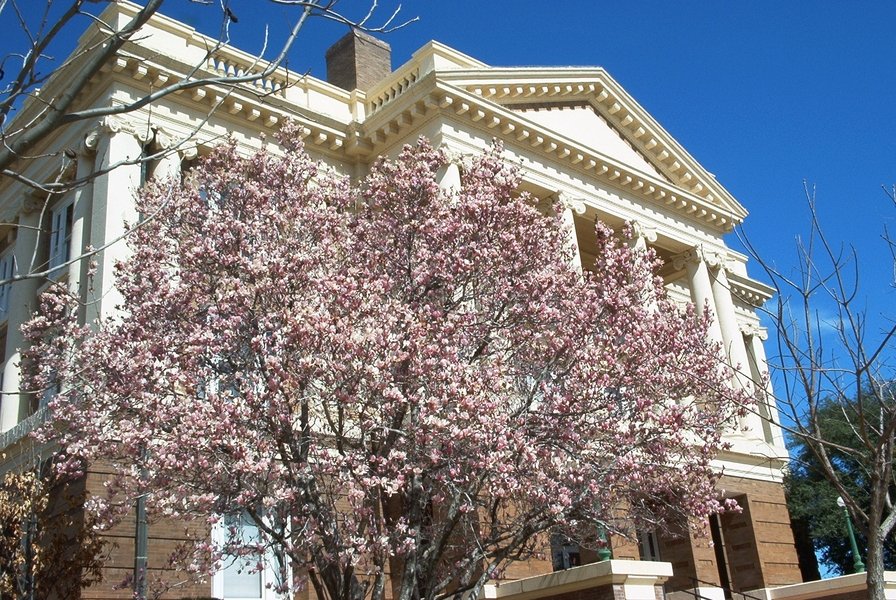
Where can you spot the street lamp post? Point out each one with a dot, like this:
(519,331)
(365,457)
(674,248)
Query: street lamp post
(604,550)
(857,565)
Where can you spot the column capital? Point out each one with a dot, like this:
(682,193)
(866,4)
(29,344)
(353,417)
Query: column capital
(162,139)
(91,141)
(165,142)
(641,230)
(112,124)
(698,254)
(751,330)
(565,202)
(33,203)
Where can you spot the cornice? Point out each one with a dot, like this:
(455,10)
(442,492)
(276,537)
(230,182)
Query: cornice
(750,291)
(431,93)
(528,85)
(248,104)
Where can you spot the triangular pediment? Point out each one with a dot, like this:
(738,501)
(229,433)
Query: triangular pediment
(579,121)
(557,98)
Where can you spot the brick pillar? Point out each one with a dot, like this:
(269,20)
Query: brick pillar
(759,540)
(692,559)
(739,533)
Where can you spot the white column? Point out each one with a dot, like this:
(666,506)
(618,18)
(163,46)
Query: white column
(448,177)
(641,235)
(113,205)
(14,405)
(169,165)
(755,336)
(735,349)
(81,214)
(731,335)
(694,261)
(569,208)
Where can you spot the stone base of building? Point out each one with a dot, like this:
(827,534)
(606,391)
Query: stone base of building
(606,580)
(847,587)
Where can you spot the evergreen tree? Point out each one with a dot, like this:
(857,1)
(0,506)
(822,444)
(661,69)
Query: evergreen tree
(813,499)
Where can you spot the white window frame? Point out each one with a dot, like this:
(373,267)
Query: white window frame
(61,236)
(268,576)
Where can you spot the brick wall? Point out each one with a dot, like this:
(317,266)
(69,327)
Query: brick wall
(758,543)
(164,536)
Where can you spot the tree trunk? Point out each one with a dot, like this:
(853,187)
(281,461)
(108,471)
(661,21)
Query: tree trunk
(874,563)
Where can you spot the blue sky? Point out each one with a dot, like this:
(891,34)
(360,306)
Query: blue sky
(764,94)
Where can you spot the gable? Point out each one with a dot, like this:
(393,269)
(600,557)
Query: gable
(580,122)
(650,148)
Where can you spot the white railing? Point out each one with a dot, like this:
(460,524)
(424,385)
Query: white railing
(226,65)
(392,88)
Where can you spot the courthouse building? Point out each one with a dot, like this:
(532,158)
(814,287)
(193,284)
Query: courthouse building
(580,138)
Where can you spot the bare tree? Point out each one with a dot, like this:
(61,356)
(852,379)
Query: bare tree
(29,69)
(834,358)
(40,97)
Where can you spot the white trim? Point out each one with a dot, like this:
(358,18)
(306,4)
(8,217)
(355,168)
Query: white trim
(267,577)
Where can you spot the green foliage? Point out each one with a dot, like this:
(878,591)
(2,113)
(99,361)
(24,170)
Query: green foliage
(811,497)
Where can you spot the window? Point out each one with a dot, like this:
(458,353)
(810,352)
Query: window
(61,219)
(564,553)
(648,546)
(240,577)
(7,270)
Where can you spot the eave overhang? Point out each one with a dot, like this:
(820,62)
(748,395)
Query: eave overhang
(436,92)
(595,86)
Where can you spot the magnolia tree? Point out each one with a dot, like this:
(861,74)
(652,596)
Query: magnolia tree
(397,385)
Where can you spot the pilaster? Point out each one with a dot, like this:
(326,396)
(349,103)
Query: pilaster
(14,403)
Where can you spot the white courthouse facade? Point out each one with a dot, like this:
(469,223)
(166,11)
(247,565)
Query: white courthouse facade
(579,138)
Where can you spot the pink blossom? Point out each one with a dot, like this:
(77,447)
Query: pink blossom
(384,372)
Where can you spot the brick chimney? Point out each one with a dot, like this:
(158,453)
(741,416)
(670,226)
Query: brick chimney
(358,60)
